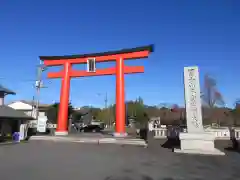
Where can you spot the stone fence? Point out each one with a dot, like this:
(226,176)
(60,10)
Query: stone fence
(49,125)
(220,133)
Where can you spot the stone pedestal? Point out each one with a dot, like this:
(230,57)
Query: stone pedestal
(119,135)
(61,133)
(198,143)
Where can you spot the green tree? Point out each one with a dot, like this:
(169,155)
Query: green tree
(137,109)
(77,116)
(103,116)
(139,100)
(52,112)
(95,111)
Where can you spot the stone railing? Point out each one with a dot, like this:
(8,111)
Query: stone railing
(237,133)
(49,125)
(160,133)
(221,133)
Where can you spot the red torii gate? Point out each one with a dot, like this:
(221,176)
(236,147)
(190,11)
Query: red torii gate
(67,73)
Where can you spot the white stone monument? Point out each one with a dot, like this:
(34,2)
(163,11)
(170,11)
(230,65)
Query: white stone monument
(196,140)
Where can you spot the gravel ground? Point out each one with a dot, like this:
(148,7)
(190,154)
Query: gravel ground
(43,160)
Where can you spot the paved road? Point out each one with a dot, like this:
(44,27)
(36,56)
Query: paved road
(43,160)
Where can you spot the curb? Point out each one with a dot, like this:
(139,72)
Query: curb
(9,143)
(12,143)
(137,142)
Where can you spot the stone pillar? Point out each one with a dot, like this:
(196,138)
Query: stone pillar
(196,140)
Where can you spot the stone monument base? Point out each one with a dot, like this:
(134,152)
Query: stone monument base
(61,133)
(120,135)
(198,143)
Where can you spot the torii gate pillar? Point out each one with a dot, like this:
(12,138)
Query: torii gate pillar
(120,99)
(64,101)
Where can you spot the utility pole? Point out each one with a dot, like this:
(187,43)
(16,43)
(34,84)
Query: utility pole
(38,86)
(33,100)
(106,101)
(107,109)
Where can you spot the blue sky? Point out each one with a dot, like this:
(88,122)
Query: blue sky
(201,32)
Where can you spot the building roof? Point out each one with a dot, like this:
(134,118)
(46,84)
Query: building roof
(122,51)
(6,91)
(10,113)
(31,103)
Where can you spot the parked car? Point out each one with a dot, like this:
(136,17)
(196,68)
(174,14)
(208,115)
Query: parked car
(90,128)
(93,127)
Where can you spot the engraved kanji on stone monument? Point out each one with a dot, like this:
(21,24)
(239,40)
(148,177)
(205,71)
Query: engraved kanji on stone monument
(193,99)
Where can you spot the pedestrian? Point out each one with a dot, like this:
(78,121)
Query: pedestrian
(146,130)
(233,138)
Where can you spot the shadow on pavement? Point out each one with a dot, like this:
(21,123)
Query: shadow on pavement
(235,146)
(231,149)
(171,143)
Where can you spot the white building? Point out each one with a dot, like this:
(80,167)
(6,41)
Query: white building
(29,107)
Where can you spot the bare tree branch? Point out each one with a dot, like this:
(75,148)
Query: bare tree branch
(210,95)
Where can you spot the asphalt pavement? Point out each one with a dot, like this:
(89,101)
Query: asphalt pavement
(45,160)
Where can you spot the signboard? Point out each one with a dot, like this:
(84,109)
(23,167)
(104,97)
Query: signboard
(91,65)
(42,124)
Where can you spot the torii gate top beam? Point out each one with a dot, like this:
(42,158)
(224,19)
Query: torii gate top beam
(133,53)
